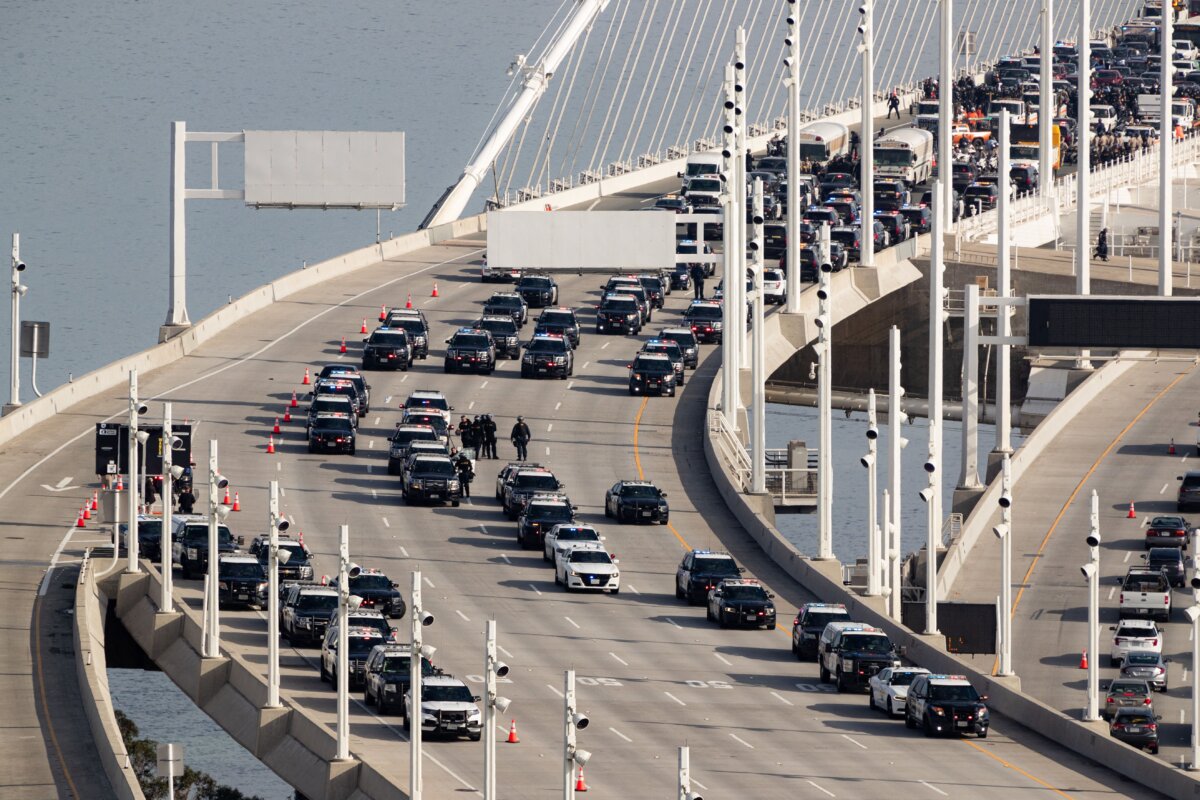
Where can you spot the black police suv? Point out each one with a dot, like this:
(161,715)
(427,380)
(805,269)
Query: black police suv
(618,312)
(636,501)
(652,372)
(548,355)
(505,334)
(537,291)
(735,602)
(560,321)
(387,348)
(331,433)
(470,350)
(701,571)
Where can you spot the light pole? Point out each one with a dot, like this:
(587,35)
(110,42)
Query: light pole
(891,563)
(875,547)
(573,721)
(170,443)
(346,570)
(758,394)
(1083,152)
(1004,290)
(736,284)
(277,524)
(1046,113)
(824,348)
(1165,136)
(867,162)
(946,112)
(896,443)
(1091,571)
(729,340)
(18,291)
(791,80)
(493,703)
(136,408)
(216,513)
(420,619)
(685,776)
(1003,532)
(1193,615)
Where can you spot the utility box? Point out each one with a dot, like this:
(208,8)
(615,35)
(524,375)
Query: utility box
(35,339)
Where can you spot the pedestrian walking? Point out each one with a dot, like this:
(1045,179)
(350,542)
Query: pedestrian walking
(520,437)
(1102,245)
(698,281)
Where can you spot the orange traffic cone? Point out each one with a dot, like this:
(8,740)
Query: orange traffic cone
(1083,661)
(512,733)
(287,414)
(86,513)
(120,484)
(364,326)
(382,313)
(79,520)
(306,380)
(408,303)
(294,404)
(270,444)
(580,786)
(95,500)
(1171,447)
(226,501)
(1132,514)
(276,428)
(342,349)
(434,293)
(237,501)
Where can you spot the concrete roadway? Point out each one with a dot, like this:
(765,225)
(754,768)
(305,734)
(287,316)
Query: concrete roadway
(653,673)
(1117,446)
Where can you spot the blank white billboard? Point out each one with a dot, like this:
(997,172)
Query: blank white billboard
(581,240)
(325,169)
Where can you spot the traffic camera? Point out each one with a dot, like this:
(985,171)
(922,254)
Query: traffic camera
(426,618)
(1093,539)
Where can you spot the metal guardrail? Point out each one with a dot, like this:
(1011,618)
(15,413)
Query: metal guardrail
(786,485)
(952,528)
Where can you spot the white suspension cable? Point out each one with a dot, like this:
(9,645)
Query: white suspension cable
(830,30)
(612,97)
(843,93)
(591,97)
(627,73)
(818,25)
(912,69)
(642,108)
(562,96)
(667,113)
(718,44)
(754,63)
(887,14)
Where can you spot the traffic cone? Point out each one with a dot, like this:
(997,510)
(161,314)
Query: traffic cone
(364,326)
(342,349)
(287,414)
(294,404)
(270,445)
(1171,447)
(226,501)
(408,303)
(382,313)
(434,293)
(1083,660)
(237,501)
(120,484)
(276,428)
(86,513)
(580,786)
(306,380)
(79,520)
(1132,514)
(95,501)
(512,733)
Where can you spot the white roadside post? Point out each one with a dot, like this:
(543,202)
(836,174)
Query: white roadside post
(824,351)
(758,378)
(1046,113)
(875,548)
(276,524)
(867,135)
(493,704)
(416,711)
(216,513)
(969,474)
(729,376)
(791,80)
(685,776)
(343,645)
(1166,135)
(18,291)
(1004,291)
(1091,571)
(136,408)
(1083,161)
(891,588)
(166,603)
(946,112)
(170,765)
(1003,532)
(933,460)
(735,285)
(573,721)
(896,443)
(1193,615)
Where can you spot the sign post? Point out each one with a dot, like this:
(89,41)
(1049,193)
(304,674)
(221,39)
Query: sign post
(170,765)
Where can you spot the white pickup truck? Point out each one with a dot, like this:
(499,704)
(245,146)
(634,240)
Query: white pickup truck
(1145,593)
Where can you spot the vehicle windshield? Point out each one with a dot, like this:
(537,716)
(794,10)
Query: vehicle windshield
(317,602)
(435,421)
(639,491)
(577,535)
(505,300)
(298,555)
(501,327)
(893,157)
(589,557)
(333,423)
(434,466)
(370,582)
(402,665)
(389,338)
(557,318)
(1134,717)
(197,535)
(360,646)
(1142,659)
(704,312)
(745,593)
(340,389)
(446,694)
(672,351)
(534,283)
(547,346)
(704,185)
(1166,522)
(903,678)
(475,341)
(416,434)
(413,325)
(716,566)
(431,401)
(813,151)
(537,481)
(868,642)
(682,339)
(848,237)
(953,692)
(628,305)
(652,365)
(340,405)
(550,512)
(240,569)
(1129,632)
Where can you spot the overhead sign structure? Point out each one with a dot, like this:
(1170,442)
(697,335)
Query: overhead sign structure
(1155,323)
(602,241)
(325,169)
(112,450)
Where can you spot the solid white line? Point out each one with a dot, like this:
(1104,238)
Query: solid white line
(676,699)
(782,699)
(739,739)
(928,785)
(822,788)
(1191,632)
(855,741)
(554,689)
(573,622)
(622,661)
(1111,591)
(723,660)
(461,614)
(282,492)
(403,552)
(428,582)
(386,524)
(45,584)
(1185,457)
(623,736)
(673,622)
(1185,670)
(535,590)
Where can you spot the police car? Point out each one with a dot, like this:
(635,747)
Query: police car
(706,319)
(549,355)
(740,602)
(470,350)
(945,704)
(889,688)
(671,350)
(428,400)
(566,536)
(700,571)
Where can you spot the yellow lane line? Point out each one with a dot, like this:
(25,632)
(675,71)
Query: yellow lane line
(1015,768)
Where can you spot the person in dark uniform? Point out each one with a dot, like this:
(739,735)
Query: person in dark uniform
(698,281)
(466,432)
(893,105)
(1102,245)
(465,473)
(854,145)
(187,500)
(489,436)
(520,437)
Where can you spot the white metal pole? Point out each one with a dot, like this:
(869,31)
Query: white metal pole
(489,712)
(946,111)
(758,377)
(933,462)
(969,474)
(569,744)
(729,377)
(793,156)
(135,491)
(273,598)
(1004,290)
(1006,572)
(343,645)
(14,373)
(1083,149)
(1195,684)
(1093,671)
(824,349)
(867,151)
(1166,139)
(177,286)
(896,443)
(416,710)
(205,622)
(214,553)
(875,548)
(685,774)
(737,283)
(892,587)
(166,601)
(1046,113)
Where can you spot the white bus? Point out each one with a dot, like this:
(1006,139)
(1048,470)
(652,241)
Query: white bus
(905,153)
(821,142)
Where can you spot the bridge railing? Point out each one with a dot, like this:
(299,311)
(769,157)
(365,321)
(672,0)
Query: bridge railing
(787,485)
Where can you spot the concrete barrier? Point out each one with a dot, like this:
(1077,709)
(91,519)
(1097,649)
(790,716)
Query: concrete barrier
(90,668)
(823,579)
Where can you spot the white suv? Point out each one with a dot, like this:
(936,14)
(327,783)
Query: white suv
(447,708)
(889,688)
(774,287)
(1134,634)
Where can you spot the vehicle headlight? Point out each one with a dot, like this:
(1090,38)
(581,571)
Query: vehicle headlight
(630,316)
(454,484)
(417,483)
(262,586)
(193,552)
(427,717)
(560,359)
(730,609)
(941,712)
(474,714)
(981,712)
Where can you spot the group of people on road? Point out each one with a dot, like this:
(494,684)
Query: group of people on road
(478,434)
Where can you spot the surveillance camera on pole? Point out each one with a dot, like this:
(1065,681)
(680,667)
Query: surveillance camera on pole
(867,460)
(1088,570)
(1005,500)
(931,466)
(1093,539)
(353,571)
(1000,531)
(926,494)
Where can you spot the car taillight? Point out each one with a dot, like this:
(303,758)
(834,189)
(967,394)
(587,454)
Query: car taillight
(1153,726)
(1154,643)
(1147,701)
(1118,726)
(795,622)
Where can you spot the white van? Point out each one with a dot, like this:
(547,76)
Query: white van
(1105,115)
(707,163)
(821,142)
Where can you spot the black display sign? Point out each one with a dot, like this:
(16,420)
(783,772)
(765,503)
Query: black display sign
(1154,323)
(112,448)
(969,628)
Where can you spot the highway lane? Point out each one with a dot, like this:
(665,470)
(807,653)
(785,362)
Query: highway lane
(671,682)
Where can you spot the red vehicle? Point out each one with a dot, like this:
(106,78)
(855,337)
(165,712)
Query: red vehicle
(1107,77)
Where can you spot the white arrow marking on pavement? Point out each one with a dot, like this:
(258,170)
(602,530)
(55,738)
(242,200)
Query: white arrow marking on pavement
(61,486)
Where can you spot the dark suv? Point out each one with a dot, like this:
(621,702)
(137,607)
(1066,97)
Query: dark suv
(855,655)
(470,350)
(304,612)
(189,544)
(541,514)
(636,501)
(524,485)
(548,355)
(331,433)
(388,676)
(741,603)
(652,372)
(241,581)
(537,291)
(378,593)
(655,289)
(1189,491)
(945,704)
(505,334)
(687,344)
(331,404)
(618,312)
(705,319)
(509,303)
(672,351)
(810,622)
(700,571)
(430,478)
(559,321)
(386,348)
(415,325)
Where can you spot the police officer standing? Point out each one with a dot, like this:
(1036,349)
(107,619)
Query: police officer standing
(465,473)
(520,437)
(698,281)
(489,436)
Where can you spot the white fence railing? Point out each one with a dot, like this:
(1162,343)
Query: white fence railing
(787,485)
